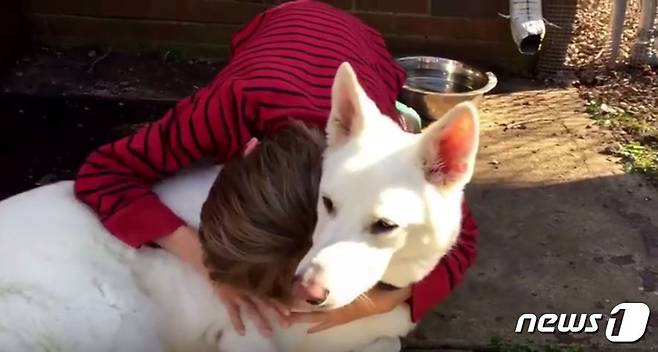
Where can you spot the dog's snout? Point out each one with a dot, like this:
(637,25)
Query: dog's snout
(309,288)
(320,298)
(312,294)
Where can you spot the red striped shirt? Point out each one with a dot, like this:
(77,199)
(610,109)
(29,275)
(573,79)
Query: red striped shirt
(282,66)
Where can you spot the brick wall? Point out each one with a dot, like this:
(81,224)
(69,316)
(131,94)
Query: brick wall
(469,30)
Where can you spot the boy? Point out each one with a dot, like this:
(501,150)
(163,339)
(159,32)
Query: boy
(281,68)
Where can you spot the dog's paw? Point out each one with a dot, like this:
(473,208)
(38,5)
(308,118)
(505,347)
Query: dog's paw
(384,344)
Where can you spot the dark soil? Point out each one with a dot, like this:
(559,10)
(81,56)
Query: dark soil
(102,72)
(43,140)
(56,106)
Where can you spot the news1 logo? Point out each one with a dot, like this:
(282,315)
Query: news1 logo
(627,323)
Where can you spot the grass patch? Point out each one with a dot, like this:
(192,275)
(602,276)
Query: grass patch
(500,345)
(642,159)
(638,142)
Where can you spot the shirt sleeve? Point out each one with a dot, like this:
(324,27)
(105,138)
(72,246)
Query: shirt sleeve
(450,271)
(116,179)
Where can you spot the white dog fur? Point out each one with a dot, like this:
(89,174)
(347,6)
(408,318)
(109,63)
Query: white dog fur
(68,285)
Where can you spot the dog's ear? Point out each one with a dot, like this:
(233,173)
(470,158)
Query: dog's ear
(449,147)
(350,106)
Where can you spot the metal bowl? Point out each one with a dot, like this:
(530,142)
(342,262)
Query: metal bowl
(434,85)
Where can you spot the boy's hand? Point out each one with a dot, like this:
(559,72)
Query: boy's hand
(236,301)
(184,243)
(376,301)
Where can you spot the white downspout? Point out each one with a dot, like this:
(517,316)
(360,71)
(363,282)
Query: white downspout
(527,25)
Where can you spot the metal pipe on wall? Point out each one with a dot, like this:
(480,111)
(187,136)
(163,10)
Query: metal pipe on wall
(527,25)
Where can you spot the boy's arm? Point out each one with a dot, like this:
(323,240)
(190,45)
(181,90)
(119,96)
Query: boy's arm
(450,271)
(116,179)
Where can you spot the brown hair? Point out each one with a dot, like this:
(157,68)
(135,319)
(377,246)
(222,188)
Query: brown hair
(257,221)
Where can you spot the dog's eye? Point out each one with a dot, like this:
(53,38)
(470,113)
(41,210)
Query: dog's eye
(328,204)
(382,226)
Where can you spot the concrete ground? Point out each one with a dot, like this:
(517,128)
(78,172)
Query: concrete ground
(563,230)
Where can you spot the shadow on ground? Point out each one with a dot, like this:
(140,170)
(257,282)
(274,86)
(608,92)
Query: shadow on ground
(567,248)
(46,139)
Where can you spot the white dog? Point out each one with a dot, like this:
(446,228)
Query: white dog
(390,208)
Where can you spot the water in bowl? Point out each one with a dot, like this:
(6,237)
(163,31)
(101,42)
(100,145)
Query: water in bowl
(437,84)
